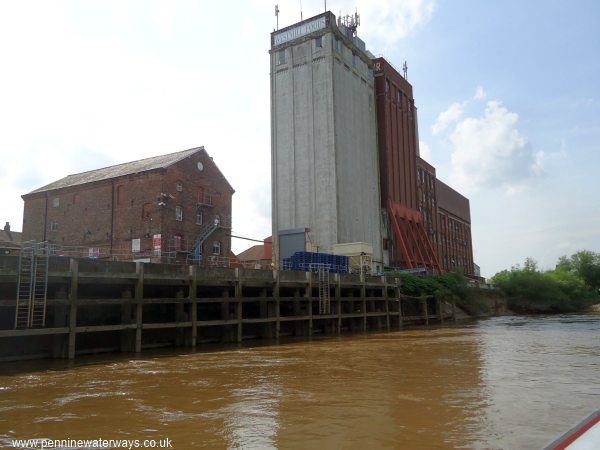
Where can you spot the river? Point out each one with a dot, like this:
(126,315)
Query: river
(500,383)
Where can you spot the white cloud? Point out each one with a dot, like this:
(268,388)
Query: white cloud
(490,152)
(448,117)
(425,151)
(392,20)
(480,94)
(387,21)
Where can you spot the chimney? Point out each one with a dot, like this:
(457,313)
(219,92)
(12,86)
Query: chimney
(7,227)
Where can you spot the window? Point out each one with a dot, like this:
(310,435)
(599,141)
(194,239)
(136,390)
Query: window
(198,216)
(337,44)
(178,213)
(54,225)
(147,211)
(387,85)
(216,248)
(204,198)
(179,186)
(281,57)
(370,73)
(177,242)
(120,195)
(319,42)
(76,198)
(354,59)
(398,95)
(56,202)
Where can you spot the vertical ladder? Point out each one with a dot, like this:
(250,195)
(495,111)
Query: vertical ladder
(32,286)
(40,287)
(324,291)
(24,285)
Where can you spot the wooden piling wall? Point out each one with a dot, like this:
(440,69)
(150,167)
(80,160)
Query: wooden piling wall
(99,306)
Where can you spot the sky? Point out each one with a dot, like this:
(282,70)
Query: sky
(508,98)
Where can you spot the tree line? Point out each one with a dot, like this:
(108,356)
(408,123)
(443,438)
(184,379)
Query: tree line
(573,285)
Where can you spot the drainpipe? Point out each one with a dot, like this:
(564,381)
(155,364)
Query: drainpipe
(112,216)
(45,218)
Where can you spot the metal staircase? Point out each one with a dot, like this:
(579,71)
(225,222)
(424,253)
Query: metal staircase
(205,232)
(32,285)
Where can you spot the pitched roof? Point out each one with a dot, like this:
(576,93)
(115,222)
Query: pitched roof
(13,237)
(254,253)
(141,165)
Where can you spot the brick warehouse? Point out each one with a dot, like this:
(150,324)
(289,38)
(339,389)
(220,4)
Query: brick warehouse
(427,223)
(172,208)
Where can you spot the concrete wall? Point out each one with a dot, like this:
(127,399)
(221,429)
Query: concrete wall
(324,148)
(304,185)
(356,153)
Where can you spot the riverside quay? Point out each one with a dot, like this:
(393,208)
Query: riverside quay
(79,306)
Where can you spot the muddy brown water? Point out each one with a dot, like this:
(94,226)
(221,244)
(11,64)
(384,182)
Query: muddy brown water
(500,383)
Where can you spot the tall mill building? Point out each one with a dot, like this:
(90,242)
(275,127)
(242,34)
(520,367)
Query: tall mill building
(324,136)
(345,154)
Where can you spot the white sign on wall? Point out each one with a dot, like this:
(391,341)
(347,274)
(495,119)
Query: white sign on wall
(299,31)
(135,245)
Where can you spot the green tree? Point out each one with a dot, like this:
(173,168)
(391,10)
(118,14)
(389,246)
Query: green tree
(561,290)
(584,263)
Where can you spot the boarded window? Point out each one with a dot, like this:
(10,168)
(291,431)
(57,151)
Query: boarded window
(120,195)
(147,211)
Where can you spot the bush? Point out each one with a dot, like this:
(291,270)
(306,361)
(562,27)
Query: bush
(447,287)
(530,290)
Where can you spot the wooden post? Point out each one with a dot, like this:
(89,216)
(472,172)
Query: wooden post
(74,267)
(308,294)
(180,333)
(239,305)
(139,305)
(338,297)
(277,297)
(126,335)
(424,309)
(194,299)
(440,308)
(363,296)
(398,295)
(387,305)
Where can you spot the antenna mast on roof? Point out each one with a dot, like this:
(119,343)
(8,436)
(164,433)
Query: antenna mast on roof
(277,15)
(405,70)
(301,19)
(351,21)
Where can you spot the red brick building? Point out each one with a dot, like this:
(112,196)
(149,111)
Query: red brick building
(427,224)
(10,241)
(170,208)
